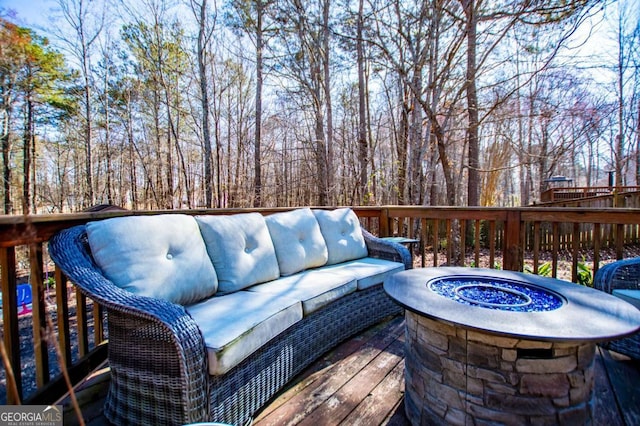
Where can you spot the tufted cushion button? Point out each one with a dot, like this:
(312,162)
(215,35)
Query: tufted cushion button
(169,256)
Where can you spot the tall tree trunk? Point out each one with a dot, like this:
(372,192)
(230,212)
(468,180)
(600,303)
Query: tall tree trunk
(132,153)
(204,103)
(6,160)
(32,172)
(402,143)
(89,195)
(416,142)
(543,154)
(158,184)
(27,155)
(446,164)
(362,116)
(233,170)
(107,137)
(638,147)
(522,151)
(321,156)
(326,36)
(618,154)
(473,184)
(175,131)
(316,79)
(218,160)
(169,194)
(257,155)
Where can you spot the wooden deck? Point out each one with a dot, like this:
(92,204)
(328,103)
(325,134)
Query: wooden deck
(361,383)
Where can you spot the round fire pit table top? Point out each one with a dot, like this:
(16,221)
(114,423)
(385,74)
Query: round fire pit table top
(586,315)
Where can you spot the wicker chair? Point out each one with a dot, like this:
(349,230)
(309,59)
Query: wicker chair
(621,275)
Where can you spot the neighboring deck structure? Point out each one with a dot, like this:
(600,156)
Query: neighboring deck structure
(361,382)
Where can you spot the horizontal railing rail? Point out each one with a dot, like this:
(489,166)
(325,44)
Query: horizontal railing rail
(557,241)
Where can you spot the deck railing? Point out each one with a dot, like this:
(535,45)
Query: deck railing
(563,239)
(514,238)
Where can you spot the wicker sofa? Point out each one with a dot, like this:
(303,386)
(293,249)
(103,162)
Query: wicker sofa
(210,316)
(622,279)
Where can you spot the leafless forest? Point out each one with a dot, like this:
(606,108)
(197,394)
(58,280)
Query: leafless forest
(158,104)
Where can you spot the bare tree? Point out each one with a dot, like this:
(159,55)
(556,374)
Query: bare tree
(86,19)
(10,62)
(363,149)
(205,31)
(627,34)
(473,184)
(327,86)
(301,45)
(257,149)
(410,37)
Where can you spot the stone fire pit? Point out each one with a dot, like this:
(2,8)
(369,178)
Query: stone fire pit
(485,345)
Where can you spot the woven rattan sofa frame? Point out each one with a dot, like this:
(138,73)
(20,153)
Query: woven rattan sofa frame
(158,359)
(621,274)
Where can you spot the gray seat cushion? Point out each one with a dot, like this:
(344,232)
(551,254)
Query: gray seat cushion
(237,324)
(314,288)
(368,271)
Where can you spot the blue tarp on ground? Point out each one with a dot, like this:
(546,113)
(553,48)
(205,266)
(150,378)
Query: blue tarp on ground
(24,298)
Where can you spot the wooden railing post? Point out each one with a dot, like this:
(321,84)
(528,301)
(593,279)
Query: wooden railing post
(512,254)
(10,317)
(38,315)
(64,336)
(384,223)
(83,328)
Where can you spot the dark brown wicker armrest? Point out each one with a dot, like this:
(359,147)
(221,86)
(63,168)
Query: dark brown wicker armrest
(387,250)
(154,334)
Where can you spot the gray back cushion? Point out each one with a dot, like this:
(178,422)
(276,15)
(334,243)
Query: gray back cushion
(298,241)
(160,256)
(342,233)
(240,249)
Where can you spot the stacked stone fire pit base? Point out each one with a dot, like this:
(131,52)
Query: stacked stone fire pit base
(500,347)
(458,376)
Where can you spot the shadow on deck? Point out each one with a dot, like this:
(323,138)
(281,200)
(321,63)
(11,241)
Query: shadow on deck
(361,382)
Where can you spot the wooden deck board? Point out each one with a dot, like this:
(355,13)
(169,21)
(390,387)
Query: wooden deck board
(361,382)
(345,400)
(606,409)
(321,367)
(382,402)
(624,376)
(303,401)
